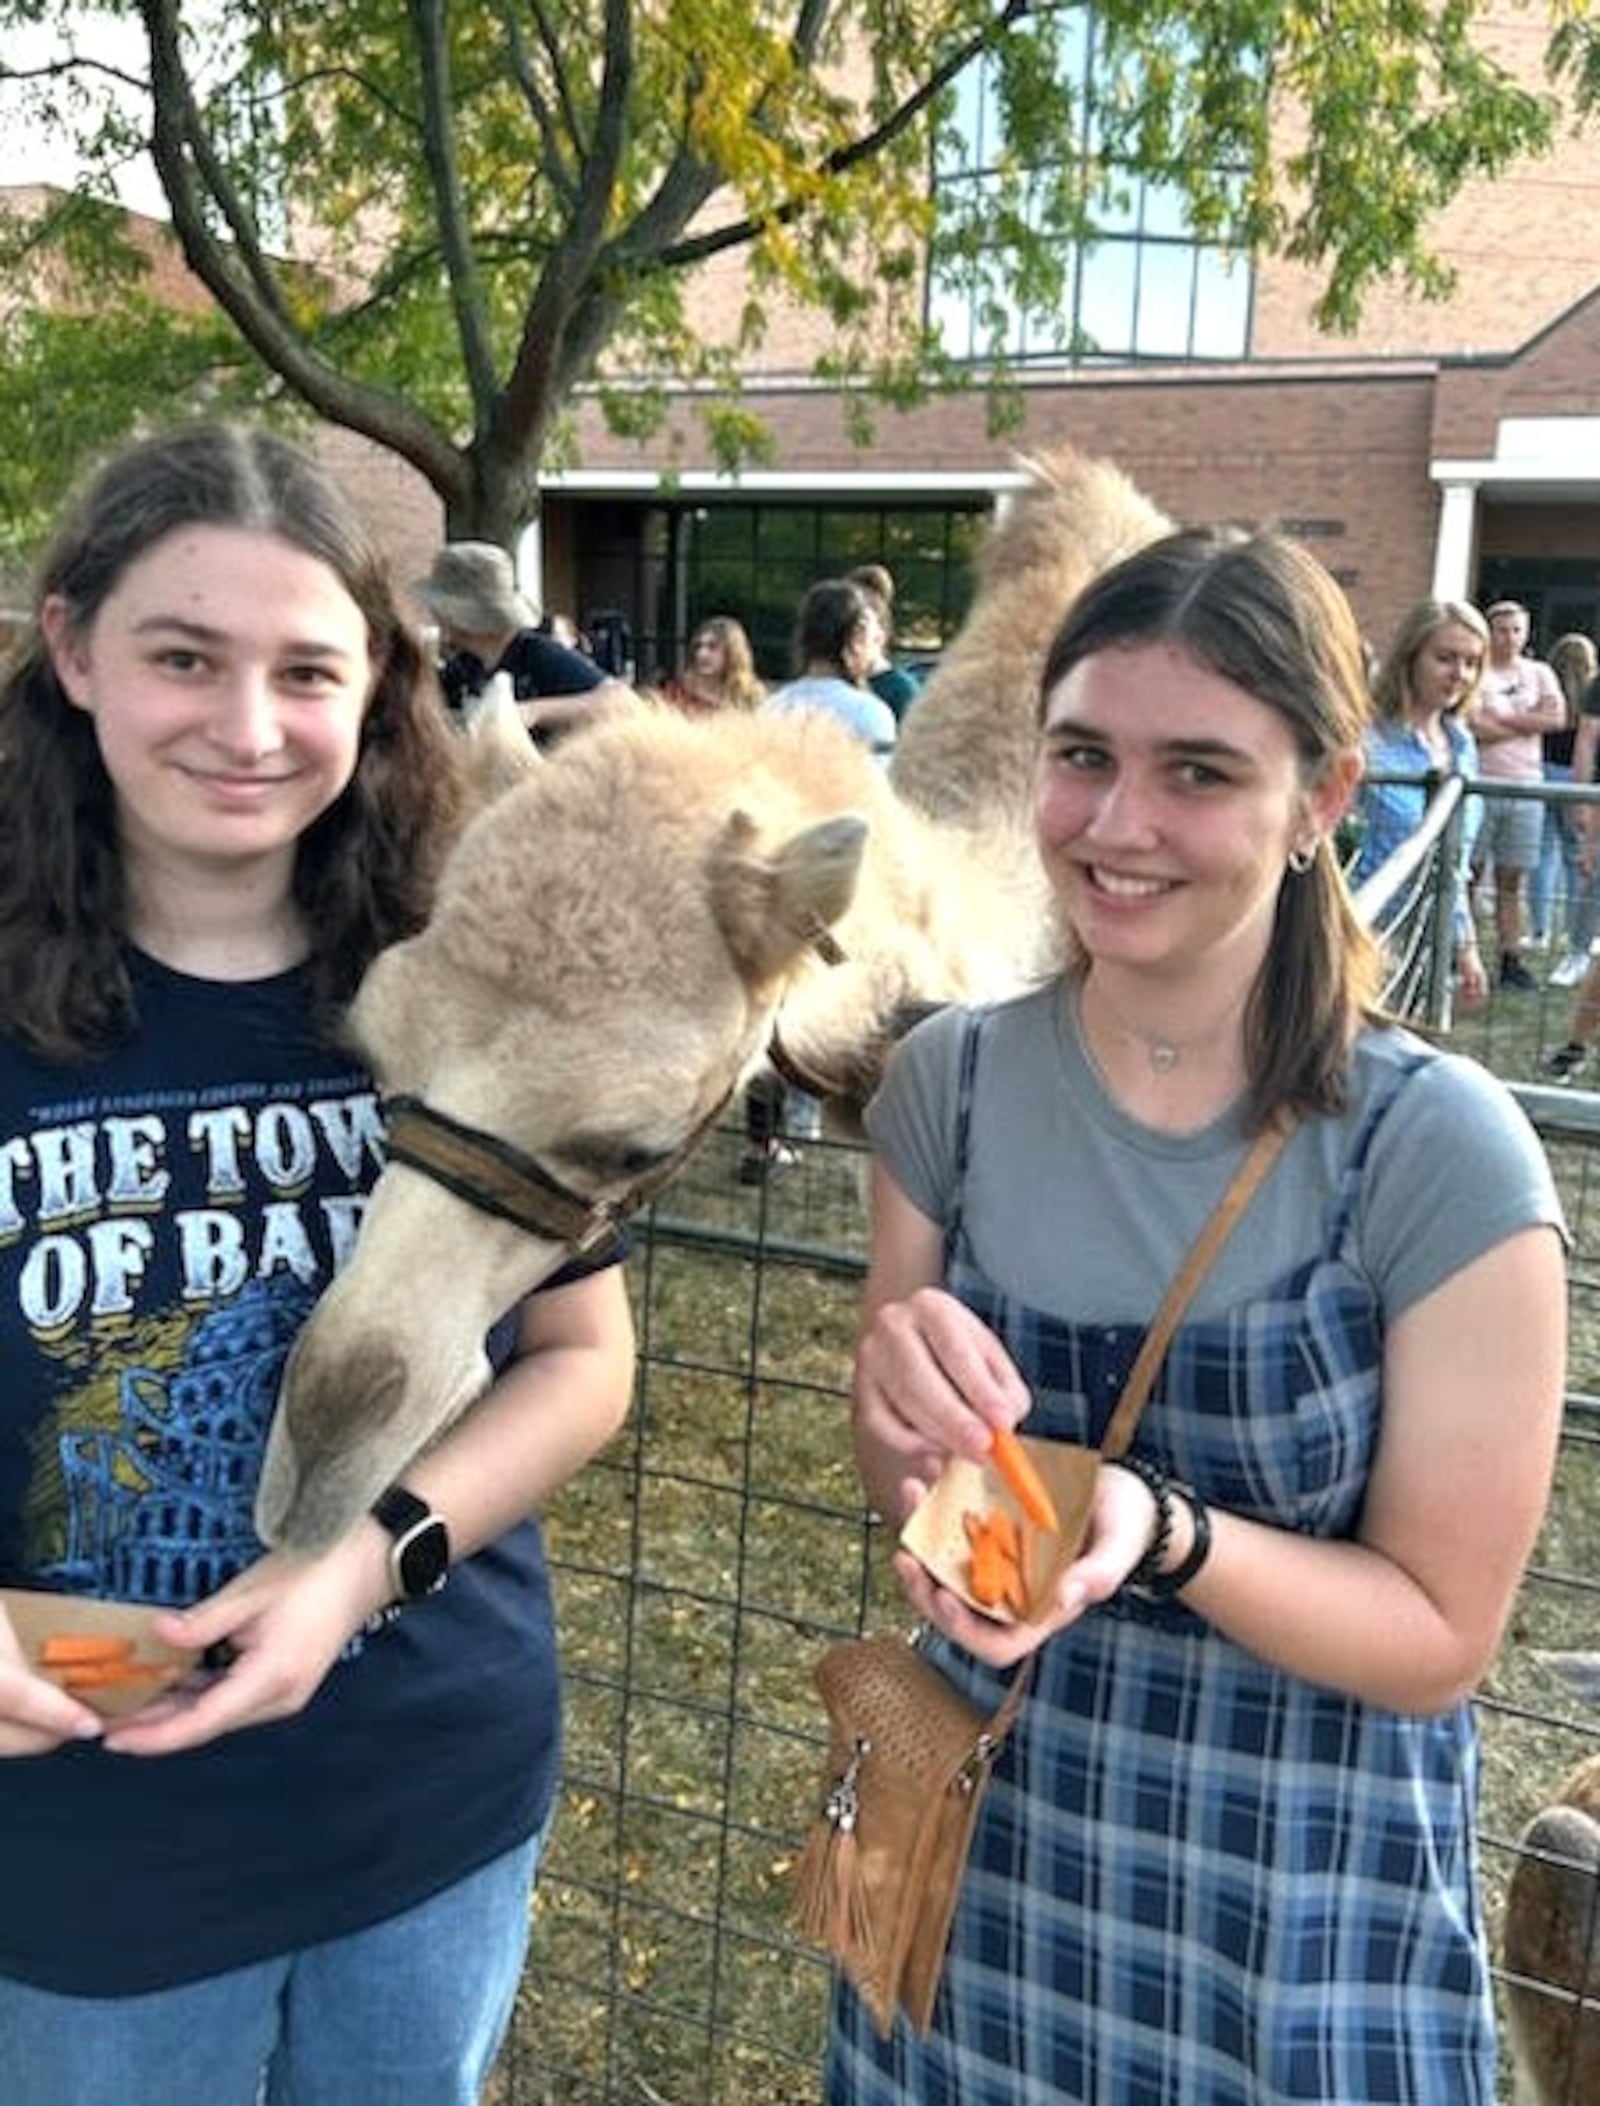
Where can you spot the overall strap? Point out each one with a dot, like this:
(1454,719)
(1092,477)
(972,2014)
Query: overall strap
(966,1086)
(1141,1379)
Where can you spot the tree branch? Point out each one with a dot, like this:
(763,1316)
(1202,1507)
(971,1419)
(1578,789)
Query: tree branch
(191,173)
(444,180)
(550,45)
(535,382)
(740,233)
(245,291)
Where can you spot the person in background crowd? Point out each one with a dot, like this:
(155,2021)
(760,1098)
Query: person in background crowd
(1423,695)
(562,629)
(1227,1854)
(487,627)
(719,671)
(1520,700)
(835,642)
(891,683)
(1570,1060)
(305,1875)
(1573,661)
(835,639)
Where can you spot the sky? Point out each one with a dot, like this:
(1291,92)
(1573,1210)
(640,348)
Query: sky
(28,152)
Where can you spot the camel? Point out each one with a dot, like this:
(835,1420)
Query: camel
(1550,1946)
(618,942)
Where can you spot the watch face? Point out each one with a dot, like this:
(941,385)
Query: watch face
(422,1558)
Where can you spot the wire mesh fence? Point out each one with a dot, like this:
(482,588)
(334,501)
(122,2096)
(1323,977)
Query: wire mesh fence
(701,1566)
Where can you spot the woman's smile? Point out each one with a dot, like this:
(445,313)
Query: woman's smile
(1123,885)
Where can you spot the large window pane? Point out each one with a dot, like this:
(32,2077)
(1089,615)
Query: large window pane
(786,534)
(755,563)
(1166,212)
(1144,287)
(950,318)
(1222,306)
(1165,322)
(1105,304)
(725,532)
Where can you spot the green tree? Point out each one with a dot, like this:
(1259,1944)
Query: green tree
(433,223)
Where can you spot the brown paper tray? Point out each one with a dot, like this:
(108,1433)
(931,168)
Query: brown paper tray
(935,1536)
(36,1616)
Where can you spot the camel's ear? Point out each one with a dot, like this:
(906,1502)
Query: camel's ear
(771,903)
(500,753)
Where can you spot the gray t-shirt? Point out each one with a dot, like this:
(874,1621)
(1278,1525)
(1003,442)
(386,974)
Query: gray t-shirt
(1080,1211)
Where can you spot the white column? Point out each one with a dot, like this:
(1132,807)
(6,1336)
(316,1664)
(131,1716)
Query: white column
(530,565)
(1452,554)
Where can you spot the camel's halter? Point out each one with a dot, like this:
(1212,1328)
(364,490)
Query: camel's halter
(785,1064)
(497,1179)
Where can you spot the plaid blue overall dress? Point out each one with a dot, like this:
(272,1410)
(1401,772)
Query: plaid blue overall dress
(1198,1881)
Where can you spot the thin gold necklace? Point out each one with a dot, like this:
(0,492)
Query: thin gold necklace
(1163,1053)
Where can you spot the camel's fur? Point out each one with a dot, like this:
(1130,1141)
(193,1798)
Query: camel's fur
(1550,1946)
(613,940)
(966,749)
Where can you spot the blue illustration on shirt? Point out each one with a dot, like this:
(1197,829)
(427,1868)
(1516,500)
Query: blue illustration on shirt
(158,1505)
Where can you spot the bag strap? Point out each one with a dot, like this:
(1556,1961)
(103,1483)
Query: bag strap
(1141,1378)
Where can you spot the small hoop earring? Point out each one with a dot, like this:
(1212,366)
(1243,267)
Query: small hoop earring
(1301,859)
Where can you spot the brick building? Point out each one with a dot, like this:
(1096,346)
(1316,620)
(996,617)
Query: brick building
(1447,446)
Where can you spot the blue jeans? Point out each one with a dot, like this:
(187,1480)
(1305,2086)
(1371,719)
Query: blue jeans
(1558,879)
(414,2009)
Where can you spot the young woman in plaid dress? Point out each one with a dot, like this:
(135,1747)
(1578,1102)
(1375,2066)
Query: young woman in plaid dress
(1228,1856)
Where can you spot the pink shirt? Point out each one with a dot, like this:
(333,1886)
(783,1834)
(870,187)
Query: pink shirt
(1517,704)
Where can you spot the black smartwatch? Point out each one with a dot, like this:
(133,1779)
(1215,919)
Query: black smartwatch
(419,1556)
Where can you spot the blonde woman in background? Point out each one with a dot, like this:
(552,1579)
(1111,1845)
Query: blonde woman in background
(1422,699)
(719,671)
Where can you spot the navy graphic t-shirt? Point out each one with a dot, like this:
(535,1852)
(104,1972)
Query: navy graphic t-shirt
(167,1218)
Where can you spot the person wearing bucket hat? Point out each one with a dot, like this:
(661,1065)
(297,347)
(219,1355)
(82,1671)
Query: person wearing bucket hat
(487,627)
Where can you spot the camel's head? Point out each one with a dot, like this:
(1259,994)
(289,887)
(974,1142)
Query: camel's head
(610,942)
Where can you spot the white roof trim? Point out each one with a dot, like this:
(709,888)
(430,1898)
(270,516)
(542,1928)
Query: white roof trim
(1552,450)
(1532,468)
(1557,439)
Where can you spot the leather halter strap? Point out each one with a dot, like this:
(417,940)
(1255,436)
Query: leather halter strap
(498,1179)
(791,1070)
(821,940)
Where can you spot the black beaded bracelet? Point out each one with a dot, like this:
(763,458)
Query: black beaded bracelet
(1161,1586)
(1156,1483)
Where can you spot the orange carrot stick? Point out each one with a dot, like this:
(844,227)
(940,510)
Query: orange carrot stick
(68,1648)
(994,1569)
(1028,1488)
(114,1674)
(988,1574)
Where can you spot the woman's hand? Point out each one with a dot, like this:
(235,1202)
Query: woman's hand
(931,1380)
(1121,1523)
(35,1715)
(285,1621)
(1472,982)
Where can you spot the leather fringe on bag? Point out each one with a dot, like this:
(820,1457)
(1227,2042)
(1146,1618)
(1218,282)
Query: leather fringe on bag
(908,1762)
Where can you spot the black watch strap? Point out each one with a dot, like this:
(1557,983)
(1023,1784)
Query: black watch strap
(419,1554)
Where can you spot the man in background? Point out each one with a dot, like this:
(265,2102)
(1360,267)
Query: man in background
(487,627)
(1518,702)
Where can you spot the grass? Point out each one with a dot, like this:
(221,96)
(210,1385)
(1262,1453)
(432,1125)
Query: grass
(702,1566)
